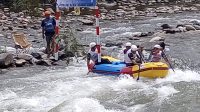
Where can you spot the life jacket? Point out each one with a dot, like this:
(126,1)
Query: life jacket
(156,57)
(93,55)
(127,58)
(49,27)
(125,52)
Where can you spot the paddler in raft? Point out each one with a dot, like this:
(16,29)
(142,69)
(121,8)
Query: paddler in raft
(157,54)
(131,57)
(92,57)
(125,51)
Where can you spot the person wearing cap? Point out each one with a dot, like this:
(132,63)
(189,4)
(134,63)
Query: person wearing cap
(128,47)
(92,57)
(133,58)
(156,54)
(92,53)
(48,30)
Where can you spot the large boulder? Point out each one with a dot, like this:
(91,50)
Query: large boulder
(20,62)
(154,39)
(182,29)
(24,56)
(197,27)
(6,59)
(166,26)
(189,27)
(86,21)
(36,55)
(44,62)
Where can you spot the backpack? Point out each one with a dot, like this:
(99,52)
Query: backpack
(49,27)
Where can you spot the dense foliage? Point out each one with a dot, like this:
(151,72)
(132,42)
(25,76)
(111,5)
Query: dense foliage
(30,6)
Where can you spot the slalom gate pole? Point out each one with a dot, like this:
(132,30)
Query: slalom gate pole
(97,33)
(56,43)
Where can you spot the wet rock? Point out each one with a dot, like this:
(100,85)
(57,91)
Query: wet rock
(154,39)
(62,55)
(163,9)
(171,31)
(4,17)
(182,29)
(36,55)
(180,25)
(151,14)
(120,44)
(144,34)
(35,27)
(47,62)
(130,38)
(197,27)
(166,26)
(86,22)
(6,9)
(6,59)
(79,29)
(26,57)
(195,22)
(10,28)
(136,34)
(1,35)
(189,27)
(136,38)
(20,62)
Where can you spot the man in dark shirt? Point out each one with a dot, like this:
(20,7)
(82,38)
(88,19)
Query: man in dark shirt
(48,30)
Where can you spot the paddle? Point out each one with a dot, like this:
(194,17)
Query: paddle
(138,78)
(166,59)
(140,56)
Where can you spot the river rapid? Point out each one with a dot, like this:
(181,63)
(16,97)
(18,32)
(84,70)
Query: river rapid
(70,89)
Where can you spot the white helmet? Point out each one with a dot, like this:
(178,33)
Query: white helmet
(128,44)
(92,44)
(157,46)
(134,48)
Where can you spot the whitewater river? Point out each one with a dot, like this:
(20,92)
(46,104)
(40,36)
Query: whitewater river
(70,89)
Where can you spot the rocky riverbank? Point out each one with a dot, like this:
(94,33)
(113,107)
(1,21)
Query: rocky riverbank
(73,28)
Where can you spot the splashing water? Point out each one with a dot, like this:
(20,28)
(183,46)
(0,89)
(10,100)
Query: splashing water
(71,89)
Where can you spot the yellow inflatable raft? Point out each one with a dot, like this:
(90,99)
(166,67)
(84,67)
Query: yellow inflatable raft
(151,70)
(148,70)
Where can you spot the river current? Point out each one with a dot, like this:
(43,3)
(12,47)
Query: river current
(70,89)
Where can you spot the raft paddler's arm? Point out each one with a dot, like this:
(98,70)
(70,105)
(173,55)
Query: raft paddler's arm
(88,58)
(135,63)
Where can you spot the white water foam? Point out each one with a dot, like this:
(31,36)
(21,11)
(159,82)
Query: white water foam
(179,76)
(109,30)
(166,91)
(136,108)
(85,105)
(75,88)
(159,19)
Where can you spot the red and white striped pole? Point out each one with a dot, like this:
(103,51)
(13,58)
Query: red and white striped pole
(97,33)
(57,17)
